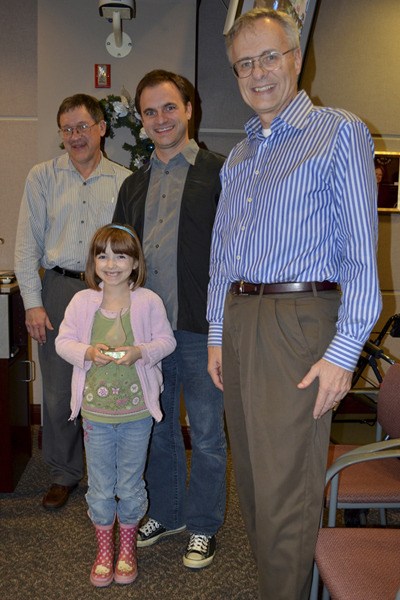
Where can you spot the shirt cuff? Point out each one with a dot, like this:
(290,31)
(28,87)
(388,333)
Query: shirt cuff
(344,352)
(215,334)
(32,300)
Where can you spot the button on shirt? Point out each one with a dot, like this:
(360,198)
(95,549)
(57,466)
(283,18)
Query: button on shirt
(300,205)
(60,211)
(161,225)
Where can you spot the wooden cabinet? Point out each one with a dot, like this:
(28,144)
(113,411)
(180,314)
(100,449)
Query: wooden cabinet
(16,371)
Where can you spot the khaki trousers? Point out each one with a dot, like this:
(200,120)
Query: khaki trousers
(279,451)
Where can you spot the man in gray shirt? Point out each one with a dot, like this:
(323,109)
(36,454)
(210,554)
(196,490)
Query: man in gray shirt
(171,203)
(65,201)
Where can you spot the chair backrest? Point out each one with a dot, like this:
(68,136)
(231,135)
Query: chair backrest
(388,410)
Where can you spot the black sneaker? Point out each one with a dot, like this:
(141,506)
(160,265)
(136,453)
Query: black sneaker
(199,551)
(153,531)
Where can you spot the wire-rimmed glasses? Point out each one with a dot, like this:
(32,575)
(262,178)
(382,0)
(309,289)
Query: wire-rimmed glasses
(267,61)
(67,132)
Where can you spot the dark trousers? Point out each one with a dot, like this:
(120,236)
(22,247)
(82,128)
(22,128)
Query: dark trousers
(62,439)
(279,451)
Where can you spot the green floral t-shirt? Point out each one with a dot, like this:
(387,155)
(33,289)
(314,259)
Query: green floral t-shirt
(112,393)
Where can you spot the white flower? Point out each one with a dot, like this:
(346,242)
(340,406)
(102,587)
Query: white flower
(138,162)
(142,134)
(120,109)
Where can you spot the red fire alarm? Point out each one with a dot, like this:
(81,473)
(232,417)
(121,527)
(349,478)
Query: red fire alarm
(102,76)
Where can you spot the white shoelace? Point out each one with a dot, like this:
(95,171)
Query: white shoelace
(151,526)
(198,543)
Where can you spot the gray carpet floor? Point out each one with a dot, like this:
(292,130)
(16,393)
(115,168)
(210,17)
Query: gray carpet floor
(48,556)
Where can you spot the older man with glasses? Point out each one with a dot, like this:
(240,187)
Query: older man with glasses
(297,215)
(65,201)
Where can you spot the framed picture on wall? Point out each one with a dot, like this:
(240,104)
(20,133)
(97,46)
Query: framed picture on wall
(387,177)
(102,76)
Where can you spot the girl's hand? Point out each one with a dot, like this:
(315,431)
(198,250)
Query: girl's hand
(133,353)
(94,354)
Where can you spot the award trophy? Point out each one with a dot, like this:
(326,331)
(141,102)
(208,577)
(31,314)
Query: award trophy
(115,337)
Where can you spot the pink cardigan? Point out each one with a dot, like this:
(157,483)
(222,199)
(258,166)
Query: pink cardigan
(151,330)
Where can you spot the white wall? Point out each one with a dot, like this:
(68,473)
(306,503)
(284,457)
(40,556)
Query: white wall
(353,63)
(72,38)
(49,49)
(18,113)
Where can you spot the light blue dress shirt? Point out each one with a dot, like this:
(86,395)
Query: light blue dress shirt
(300,205)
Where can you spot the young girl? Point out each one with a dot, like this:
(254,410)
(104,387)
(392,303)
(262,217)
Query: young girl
(116,389)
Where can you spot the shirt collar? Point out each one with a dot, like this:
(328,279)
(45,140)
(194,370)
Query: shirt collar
(188,154)
(103,168)
(294,115)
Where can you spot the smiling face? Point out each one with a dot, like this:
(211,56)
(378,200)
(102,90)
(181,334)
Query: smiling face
(114,269)
(165,118)
(378,174)
(83,148)
(267,93)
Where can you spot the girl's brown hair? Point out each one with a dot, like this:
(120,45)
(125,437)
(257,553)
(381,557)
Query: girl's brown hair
(123,239)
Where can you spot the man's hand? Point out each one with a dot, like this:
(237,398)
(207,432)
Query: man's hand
(215,365)
(36,321)
(334,383)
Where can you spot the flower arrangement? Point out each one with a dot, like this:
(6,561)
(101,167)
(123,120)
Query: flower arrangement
(120,111)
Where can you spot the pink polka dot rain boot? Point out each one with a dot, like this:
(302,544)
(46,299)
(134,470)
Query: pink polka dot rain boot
(102,574)
(126,567)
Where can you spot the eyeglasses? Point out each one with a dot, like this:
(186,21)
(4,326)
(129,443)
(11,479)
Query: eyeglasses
(67,132)
(267,61)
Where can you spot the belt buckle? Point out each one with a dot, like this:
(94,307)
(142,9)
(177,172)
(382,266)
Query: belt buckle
(241,288)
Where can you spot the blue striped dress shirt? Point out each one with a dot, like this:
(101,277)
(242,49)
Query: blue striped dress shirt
(300,205)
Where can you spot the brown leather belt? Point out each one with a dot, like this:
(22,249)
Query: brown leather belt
(242,288)
(74,274)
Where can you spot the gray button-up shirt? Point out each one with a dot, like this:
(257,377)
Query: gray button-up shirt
(161,224)
(60,211)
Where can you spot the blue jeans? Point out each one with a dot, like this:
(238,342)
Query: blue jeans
(116,458)
(200,505)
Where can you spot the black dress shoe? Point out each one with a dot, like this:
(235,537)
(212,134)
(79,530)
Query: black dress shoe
(57,495)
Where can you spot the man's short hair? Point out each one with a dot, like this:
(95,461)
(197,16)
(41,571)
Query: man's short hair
(249,18)
(91,104)
(159,76)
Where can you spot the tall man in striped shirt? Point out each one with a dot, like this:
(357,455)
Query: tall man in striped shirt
(65,200)
(297,214)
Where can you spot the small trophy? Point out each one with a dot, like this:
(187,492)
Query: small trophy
(115,337)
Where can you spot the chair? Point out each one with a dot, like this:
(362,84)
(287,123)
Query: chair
(359,564)
(362,564)
(369,476)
